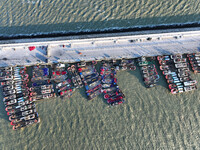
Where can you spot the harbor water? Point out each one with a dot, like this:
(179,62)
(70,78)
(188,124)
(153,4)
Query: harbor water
(149,119)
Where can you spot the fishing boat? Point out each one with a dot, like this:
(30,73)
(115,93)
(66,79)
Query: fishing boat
(18,109)
(110,90)
(25,118)
(183,74)
(175,85)
(177,56)
(94,94)
(94,89)
(40,97)
(23,124)
(150,78)
(176,90)
(148,67)
(179,60)
(185,79)
(21,114)
(163,58)
(181,65)
(117,99)
(92,85)
(190,83)
(114,93)
(190,88)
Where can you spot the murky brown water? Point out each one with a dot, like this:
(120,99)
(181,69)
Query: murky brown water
(149,119)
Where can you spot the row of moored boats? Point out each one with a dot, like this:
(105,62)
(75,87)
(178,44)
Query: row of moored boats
(23,86)
(148,71)
(176,71)
(20,109)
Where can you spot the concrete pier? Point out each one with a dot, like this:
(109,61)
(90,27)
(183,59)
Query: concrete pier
(98,47)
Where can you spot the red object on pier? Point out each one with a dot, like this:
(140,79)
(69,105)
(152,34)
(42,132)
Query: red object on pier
(31,48)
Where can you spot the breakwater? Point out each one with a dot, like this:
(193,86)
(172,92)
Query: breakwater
(67,34)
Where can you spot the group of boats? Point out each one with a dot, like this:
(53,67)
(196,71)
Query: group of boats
(41,86)
(176,71)
(20,109)
(90,78)
(194,60)
(112,94)
(148,71)
(61,77)
(22,86)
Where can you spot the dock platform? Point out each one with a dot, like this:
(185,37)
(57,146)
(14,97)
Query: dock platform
(98,47)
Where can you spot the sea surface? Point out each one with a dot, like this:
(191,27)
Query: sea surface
(52,16)
(149,119)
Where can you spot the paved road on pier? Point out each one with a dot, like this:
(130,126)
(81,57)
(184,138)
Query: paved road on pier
(131,46)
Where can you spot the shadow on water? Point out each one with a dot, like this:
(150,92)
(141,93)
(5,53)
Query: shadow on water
(137,74)
(94,27)
(82,92)
(3,114)
(162,80)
